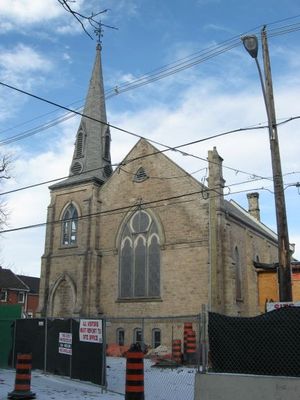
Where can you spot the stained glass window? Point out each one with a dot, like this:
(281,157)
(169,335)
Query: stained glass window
(140,257)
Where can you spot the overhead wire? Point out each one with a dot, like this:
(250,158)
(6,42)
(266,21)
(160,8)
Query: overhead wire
(167,148)
(72,112)
(128,207)
(178,66)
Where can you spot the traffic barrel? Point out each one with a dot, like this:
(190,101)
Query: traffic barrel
(134,389)
(188,326)
(176,350)
(23,378)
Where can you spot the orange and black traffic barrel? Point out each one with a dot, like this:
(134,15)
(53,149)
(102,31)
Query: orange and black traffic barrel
(188,326)
(134,373)
(176,350)
(23,378)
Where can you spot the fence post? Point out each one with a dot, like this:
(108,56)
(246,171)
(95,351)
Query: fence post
(14,345)
(143,333)
(199,351)
(45,343)
(104,375)
(204,338)
(71,355)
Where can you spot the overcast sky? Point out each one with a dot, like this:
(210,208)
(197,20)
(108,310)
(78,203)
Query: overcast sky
(44,50)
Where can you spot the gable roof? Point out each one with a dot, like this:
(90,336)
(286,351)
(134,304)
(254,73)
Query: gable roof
(32,282)
(154,151)
(8,280)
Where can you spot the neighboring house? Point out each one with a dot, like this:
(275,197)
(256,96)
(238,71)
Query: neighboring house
(33,284)
(147,239)
(19,289)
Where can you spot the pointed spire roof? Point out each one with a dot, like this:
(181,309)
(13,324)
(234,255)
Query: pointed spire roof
(91,158)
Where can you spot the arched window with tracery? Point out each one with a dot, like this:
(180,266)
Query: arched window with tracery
(139,257)
(69,226)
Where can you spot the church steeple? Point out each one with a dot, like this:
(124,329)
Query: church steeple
(91,157)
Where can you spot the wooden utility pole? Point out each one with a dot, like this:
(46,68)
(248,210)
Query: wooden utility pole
(284,260)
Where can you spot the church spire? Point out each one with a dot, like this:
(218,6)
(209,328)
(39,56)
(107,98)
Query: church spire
(91,158)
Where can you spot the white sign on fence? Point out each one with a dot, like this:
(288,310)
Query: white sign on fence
(90,330)
(280,304)
(65,343)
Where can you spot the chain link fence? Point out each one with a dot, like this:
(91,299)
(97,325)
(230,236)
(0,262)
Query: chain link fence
(172,353)
(267,344)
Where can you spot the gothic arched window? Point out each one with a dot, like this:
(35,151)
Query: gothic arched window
(139,258)
(69,226)
(238,274)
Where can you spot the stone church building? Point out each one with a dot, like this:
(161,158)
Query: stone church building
(123,243)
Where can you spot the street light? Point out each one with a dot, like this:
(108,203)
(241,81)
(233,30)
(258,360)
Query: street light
(284,263)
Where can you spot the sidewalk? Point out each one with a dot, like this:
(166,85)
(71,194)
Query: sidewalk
(47,386)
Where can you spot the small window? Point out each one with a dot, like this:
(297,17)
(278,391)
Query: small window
(3,295)
(137,336)
(156,338)
(21,297)
(238,275)
(120,337)
(79,145)
(140,175)
(107,146)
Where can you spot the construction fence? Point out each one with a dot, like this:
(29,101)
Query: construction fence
(68,347)
(171,348)
(267,344)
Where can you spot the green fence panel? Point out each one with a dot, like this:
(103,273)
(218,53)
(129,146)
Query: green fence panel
(8,314)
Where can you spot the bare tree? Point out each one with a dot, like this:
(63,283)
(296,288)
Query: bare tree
(5,167)
(86,20)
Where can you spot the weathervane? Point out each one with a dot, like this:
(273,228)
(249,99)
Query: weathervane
(98,30)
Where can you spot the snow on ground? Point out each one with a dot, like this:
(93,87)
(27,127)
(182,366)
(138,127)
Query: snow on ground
(160,384)
(50,387)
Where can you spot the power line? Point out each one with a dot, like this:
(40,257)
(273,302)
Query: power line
(132,133)
(162,151)
(128,207)
(148,155)
(177,66)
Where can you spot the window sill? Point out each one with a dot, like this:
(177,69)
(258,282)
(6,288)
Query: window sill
(139,300)
(67,246)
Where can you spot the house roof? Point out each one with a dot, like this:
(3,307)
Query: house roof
(273,266)
(239,213)
(8,280)
(32,282)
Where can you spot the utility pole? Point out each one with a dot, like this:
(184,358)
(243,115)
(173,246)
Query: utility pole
(284,258)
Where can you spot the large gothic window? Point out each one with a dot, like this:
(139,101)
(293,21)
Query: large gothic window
(140,258)
(69,226)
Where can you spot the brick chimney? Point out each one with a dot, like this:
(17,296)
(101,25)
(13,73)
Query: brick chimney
(253,205)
